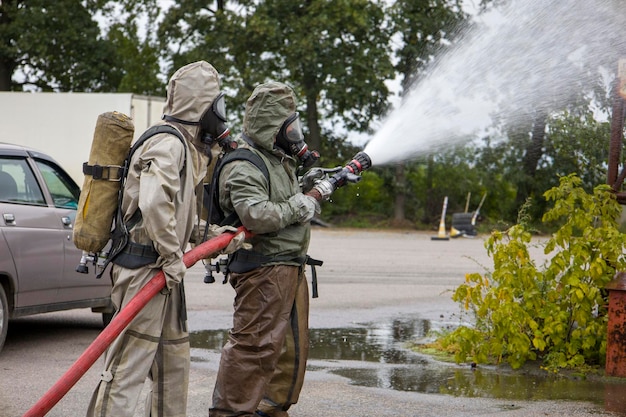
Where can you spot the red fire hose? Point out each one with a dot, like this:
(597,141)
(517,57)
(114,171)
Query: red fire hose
(119,323)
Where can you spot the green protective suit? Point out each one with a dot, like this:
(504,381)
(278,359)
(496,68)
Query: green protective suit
(263,362)
(163,177)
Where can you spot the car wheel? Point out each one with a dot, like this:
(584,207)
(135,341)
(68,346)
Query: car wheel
(4,316)
(106,318)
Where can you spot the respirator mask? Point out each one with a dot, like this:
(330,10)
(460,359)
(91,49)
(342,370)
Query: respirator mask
(212,126)
(213,123)
(291,140)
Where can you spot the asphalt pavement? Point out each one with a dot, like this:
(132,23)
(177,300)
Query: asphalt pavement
(367,277)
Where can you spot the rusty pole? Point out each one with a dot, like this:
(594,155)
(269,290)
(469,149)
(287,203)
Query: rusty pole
(617,135)
(616,328)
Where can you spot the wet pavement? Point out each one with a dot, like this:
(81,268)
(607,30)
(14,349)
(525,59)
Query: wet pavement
(378,355)
(379,290)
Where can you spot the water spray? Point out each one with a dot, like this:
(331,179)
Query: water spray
(319,184)
(515,58)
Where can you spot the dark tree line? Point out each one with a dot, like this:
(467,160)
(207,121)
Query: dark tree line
(339,55)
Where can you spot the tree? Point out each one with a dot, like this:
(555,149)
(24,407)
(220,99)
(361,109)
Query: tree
(59,46)
(136,58)
(334,53)
(138,62)
(54,45)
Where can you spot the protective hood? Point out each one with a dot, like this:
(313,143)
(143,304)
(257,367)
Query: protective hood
(190,92)
(266,110)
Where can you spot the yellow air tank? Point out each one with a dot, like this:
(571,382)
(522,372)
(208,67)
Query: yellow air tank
(103,174)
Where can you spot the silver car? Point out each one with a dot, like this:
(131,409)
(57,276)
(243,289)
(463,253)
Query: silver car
(38,259)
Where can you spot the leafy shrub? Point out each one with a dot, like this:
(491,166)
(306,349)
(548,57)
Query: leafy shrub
(556,313)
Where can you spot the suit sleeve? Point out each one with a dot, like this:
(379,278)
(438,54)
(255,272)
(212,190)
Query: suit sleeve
(244,189)
(159,186)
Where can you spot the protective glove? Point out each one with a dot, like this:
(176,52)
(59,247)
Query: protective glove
(237,243)
(308,180)
(174,269)
(306,206)
(324,188)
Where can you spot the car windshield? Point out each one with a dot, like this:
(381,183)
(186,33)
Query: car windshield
(65,192)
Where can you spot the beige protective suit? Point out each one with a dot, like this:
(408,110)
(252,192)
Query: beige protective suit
(162,181)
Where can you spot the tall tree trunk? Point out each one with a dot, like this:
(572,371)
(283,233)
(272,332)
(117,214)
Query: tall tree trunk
(7,59)
(6,72)
(314,138)
(431,209)
(534,152)
(399,217)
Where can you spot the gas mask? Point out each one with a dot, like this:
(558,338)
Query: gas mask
(291,140)
(212,126)
(213,123)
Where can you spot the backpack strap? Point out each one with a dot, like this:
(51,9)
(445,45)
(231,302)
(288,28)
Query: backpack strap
(211,195)
(120,233)
(154,130)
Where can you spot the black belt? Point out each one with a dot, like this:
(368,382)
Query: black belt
(135,256)
(244,261)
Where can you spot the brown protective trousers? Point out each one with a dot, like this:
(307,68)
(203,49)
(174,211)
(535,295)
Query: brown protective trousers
(263,362)
(154,345)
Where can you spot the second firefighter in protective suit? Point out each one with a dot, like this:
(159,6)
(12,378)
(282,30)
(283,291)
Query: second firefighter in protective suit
(263,362)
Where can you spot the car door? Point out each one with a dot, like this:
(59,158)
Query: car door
(64,194)
(31,231)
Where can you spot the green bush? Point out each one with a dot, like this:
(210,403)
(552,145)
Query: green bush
(368,196)
(556,313)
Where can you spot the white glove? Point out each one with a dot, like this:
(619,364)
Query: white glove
(216,230)
(307,207)
(174,270)
(237,243)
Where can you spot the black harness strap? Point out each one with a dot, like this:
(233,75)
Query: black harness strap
(119,253)
(313,263)
(211,194)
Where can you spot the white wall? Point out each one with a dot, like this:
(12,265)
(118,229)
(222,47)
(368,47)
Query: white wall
(62,124)
(145,111)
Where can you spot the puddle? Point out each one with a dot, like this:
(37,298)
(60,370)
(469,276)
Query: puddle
(373,355)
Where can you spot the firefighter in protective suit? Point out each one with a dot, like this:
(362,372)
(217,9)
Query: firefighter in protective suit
(263,362)
(159,205)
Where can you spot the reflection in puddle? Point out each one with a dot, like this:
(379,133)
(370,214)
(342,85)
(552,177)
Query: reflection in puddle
(374,356)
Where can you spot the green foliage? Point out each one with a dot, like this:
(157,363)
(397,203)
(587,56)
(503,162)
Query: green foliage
(340,56)
(556,313)
(55,44)
(423,26)
(366,199)
(59,46)
(575,142)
